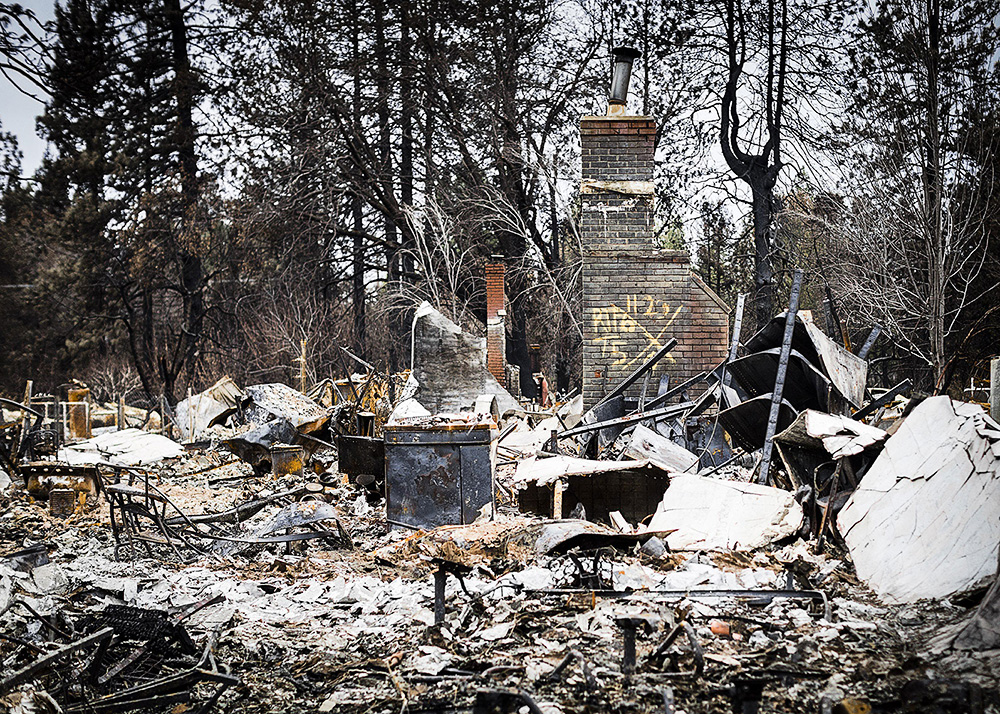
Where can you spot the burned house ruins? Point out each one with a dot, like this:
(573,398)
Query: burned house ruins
(714,522)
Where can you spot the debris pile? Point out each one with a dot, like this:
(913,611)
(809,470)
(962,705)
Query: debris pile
(424,541)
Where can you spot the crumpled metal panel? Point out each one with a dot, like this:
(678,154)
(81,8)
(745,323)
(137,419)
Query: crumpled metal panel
(254,444)
(847,372)
(746,423)
(805,386)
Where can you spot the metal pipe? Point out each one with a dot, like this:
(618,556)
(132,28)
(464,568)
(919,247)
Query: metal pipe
(622,74)
(440,580)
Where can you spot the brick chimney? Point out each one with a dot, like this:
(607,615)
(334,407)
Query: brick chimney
(496,336)
(617,181)
(637,295)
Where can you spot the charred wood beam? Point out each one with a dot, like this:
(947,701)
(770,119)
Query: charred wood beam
(40,665)
(641,370)
(873,405)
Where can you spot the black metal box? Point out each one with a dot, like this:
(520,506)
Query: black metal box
(438,475)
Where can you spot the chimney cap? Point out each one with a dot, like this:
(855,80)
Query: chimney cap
(626,51)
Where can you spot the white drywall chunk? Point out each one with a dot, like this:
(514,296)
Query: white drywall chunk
(712,514)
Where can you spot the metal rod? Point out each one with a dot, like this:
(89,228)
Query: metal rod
(584,668)
(641,370)
(870,342)
(779,380)
(655,414)
(829,507)
(874,404)
(734,344)
(679,389)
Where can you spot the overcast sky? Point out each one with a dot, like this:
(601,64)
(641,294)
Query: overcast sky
(18,112)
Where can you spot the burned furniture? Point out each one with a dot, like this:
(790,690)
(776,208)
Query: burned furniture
(142,515)
(126,659)
(28,451)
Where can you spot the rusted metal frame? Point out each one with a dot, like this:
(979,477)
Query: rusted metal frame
(128,508)
(734,343)
(834,318)
(814,595)
(654,414)
(873,405)
(27,673)
(870,342)
(166,500)
(641,370)
(779,380)
(148,510)
(236,514)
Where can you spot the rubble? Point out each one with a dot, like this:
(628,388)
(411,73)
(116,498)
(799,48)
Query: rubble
(504,559)
(194,415)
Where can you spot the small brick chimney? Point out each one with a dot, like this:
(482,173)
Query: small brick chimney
(496,335)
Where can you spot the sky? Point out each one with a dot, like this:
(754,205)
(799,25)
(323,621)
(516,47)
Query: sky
(18,111)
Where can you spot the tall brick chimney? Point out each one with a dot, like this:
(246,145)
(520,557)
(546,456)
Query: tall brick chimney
(496,336)
(637,295)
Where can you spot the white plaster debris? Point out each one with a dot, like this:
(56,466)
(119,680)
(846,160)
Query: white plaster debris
(925,520)
(647,444)
(840,435)
(128,447)
(710,514)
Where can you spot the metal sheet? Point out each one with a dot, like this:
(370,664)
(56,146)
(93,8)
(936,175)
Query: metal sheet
(746,423)
(847,372)
(805,385)
(361,455)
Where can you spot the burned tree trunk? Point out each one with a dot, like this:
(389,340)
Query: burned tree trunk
(758,169)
